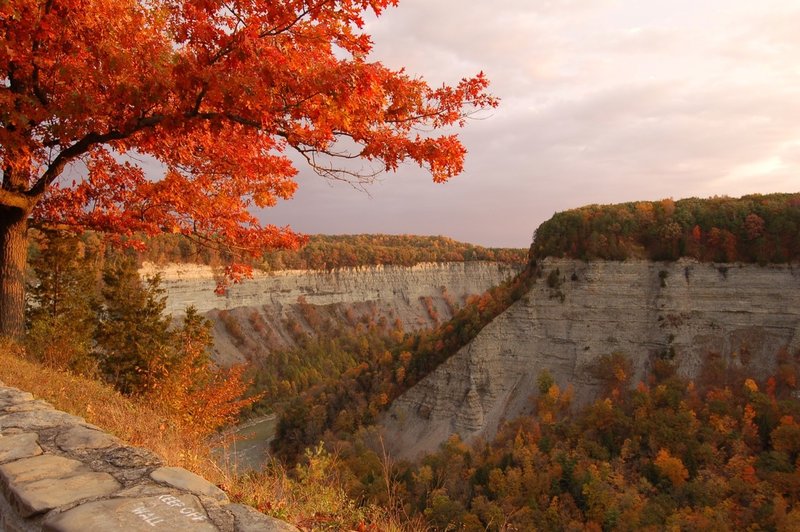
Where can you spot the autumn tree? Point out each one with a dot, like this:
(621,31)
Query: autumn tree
(195,393)
(217,92)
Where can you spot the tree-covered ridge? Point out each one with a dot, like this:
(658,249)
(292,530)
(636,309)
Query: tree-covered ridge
(326,252)
(755,228)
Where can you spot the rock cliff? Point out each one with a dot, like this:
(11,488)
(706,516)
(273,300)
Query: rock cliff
(266,312)
(579,311)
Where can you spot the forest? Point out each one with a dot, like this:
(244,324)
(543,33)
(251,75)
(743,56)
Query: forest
(720,453)
(323,252)
(758,228)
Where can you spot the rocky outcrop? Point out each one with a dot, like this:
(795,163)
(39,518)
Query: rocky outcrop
(579,311)
(268,311)
(59,473)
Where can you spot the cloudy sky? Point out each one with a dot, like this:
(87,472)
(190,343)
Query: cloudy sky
(603,101)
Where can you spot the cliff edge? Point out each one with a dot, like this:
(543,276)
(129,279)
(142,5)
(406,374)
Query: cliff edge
(579,311)
(263,313)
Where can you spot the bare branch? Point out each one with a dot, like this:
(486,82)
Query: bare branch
(356,179)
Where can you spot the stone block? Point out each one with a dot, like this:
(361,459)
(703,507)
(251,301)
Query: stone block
(248,519)
(28,406)
(35,420)
(180,478)
(38,468)
(164,512)
(12,396)
(19,446)
(80,438)
(43,495)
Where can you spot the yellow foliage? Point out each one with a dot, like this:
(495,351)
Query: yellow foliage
(671,467)
(722,423)
(554,392)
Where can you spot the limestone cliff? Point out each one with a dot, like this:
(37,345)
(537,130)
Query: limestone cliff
(260,314)
(683,310)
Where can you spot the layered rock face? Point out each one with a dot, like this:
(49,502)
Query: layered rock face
(268,311)
(686,311)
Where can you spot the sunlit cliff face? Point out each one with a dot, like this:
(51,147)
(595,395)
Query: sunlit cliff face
(741,317)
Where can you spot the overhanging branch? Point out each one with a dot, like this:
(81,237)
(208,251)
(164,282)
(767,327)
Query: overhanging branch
(83,146)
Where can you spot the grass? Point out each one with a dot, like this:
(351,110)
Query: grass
(131,420)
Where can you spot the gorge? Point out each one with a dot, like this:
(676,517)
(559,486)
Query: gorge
(577,311)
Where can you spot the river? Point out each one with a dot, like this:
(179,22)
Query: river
(250,447)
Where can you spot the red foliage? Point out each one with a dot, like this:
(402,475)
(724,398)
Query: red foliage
(216,92)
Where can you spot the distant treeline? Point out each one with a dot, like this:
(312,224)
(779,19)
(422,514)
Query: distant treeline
(756,228)
(327,252)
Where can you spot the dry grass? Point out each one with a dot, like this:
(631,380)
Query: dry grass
(312,499)
(133,421)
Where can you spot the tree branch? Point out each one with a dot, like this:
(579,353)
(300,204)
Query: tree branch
(83,146)
(37,89)
(9,198)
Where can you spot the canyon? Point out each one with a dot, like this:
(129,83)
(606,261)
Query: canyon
(269,310)
(684,311)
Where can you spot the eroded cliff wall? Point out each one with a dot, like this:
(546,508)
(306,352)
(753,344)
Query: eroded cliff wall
(685,310)
(267,311)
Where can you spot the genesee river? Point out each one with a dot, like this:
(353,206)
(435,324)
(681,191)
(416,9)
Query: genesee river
(250,448)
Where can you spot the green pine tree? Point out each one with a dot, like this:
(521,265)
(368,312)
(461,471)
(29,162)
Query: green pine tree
(62,303)
(134,340)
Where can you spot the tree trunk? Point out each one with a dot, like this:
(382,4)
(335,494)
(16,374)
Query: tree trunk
(13,257)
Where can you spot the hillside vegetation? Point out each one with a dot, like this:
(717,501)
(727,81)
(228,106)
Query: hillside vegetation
(757,228)
(719,453)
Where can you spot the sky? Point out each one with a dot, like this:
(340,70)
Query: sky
(602,101)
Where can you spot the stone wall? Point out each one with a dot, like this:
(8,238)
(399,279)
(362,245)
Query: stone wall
(60,473)
(578,311)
